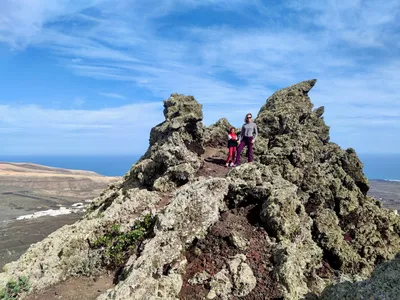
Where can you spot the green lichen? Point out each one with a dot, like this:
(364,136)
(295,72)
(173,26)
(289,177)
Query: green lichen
(118,246)
(14,288)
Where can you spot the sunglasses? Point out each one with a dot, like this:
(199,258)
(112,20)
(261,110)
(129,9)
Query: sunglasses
(248,117)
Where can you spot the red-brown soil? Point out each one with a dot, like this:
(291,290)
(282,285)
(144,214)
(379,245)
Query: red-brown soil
(214,162)
(213,253)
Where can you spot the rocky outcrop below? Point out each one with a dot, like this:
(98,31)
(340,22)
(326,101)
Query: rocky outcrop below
(289,225)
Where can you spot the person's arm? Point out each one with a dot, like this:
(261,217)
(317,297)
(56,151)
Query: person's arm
(256,131)
(229,137)
(242,133)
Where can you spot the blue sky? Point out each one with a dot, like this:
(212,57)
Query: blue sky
(89,76)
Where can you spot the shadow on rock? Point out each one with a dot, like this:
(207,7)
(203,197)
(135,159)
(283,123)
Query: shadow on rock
(384,283)
(217,161)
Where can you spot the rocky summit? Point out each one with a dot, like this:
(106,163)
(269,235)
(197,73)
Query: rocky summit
(294,224)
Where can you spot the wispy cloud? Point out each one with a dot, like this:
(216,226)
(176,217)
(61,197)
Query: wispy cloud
(350,46)
(112,95)
(78,102)
(21,22)
(361,23)
(113,130)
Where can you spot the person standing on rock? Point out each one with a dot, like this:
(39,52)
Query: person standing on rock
(232,145)
(248,136)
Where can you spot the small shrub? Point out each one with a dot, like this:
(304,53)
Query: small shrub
(118,246)
(14,288)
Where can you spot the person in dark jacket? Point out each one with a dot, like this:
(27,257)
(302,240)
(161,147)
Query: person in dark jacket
(232,145)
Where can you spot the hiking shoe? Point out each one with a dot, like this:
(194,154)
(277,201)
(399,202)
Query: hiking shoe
(232,164)
(227,165)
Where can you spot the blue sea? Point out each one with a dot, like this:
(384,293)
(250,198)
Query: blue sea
(105,165)
(381,166)
(376,166)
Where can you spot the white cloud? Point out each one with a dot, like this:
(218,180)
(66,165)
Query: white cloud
(21,21)
(361,23)
(113,130)
(112,95)
(351,47)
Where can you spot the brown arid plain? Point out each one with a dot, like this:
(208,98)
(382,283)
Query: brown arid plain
(27,188)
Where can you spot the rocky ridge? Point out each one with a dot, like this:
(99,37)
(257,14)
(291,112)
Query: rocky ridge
(285,226)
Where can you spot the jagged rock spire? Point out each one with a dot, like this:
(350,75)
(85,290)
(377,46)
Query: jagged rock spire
(175,147)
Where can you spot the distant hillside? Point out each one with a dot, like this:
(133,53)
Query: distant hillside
(63,182)
(26,187)
(35,168)
(388,192)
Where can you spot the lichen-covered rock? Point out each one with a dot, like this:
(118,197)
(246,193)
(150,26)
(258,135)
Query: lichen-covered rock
(175,147)
(200,278)
(236,279)
(243,278)
(384,284)
(330,236)
(312,197)
(221,286)
(296,255)
(239,241)
(216,135)
(67,251)
(182,114)
(193,209)
(329,186)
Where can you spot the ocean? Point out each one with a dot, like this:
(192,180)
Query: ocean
(106,165)
(376,166)
(381,166)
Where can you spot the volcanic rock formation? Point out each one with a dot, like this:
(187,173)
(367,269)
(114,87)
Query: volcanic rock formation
(175,146)
(285,226)
(216,134)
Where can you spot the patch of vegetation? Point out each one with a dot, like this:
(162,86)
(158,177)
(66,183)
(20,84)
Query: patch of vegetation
(14,288)
(119,246)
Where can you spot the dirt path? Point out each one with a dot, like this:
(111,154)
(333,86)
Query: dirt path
(82,288)
(214,163)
